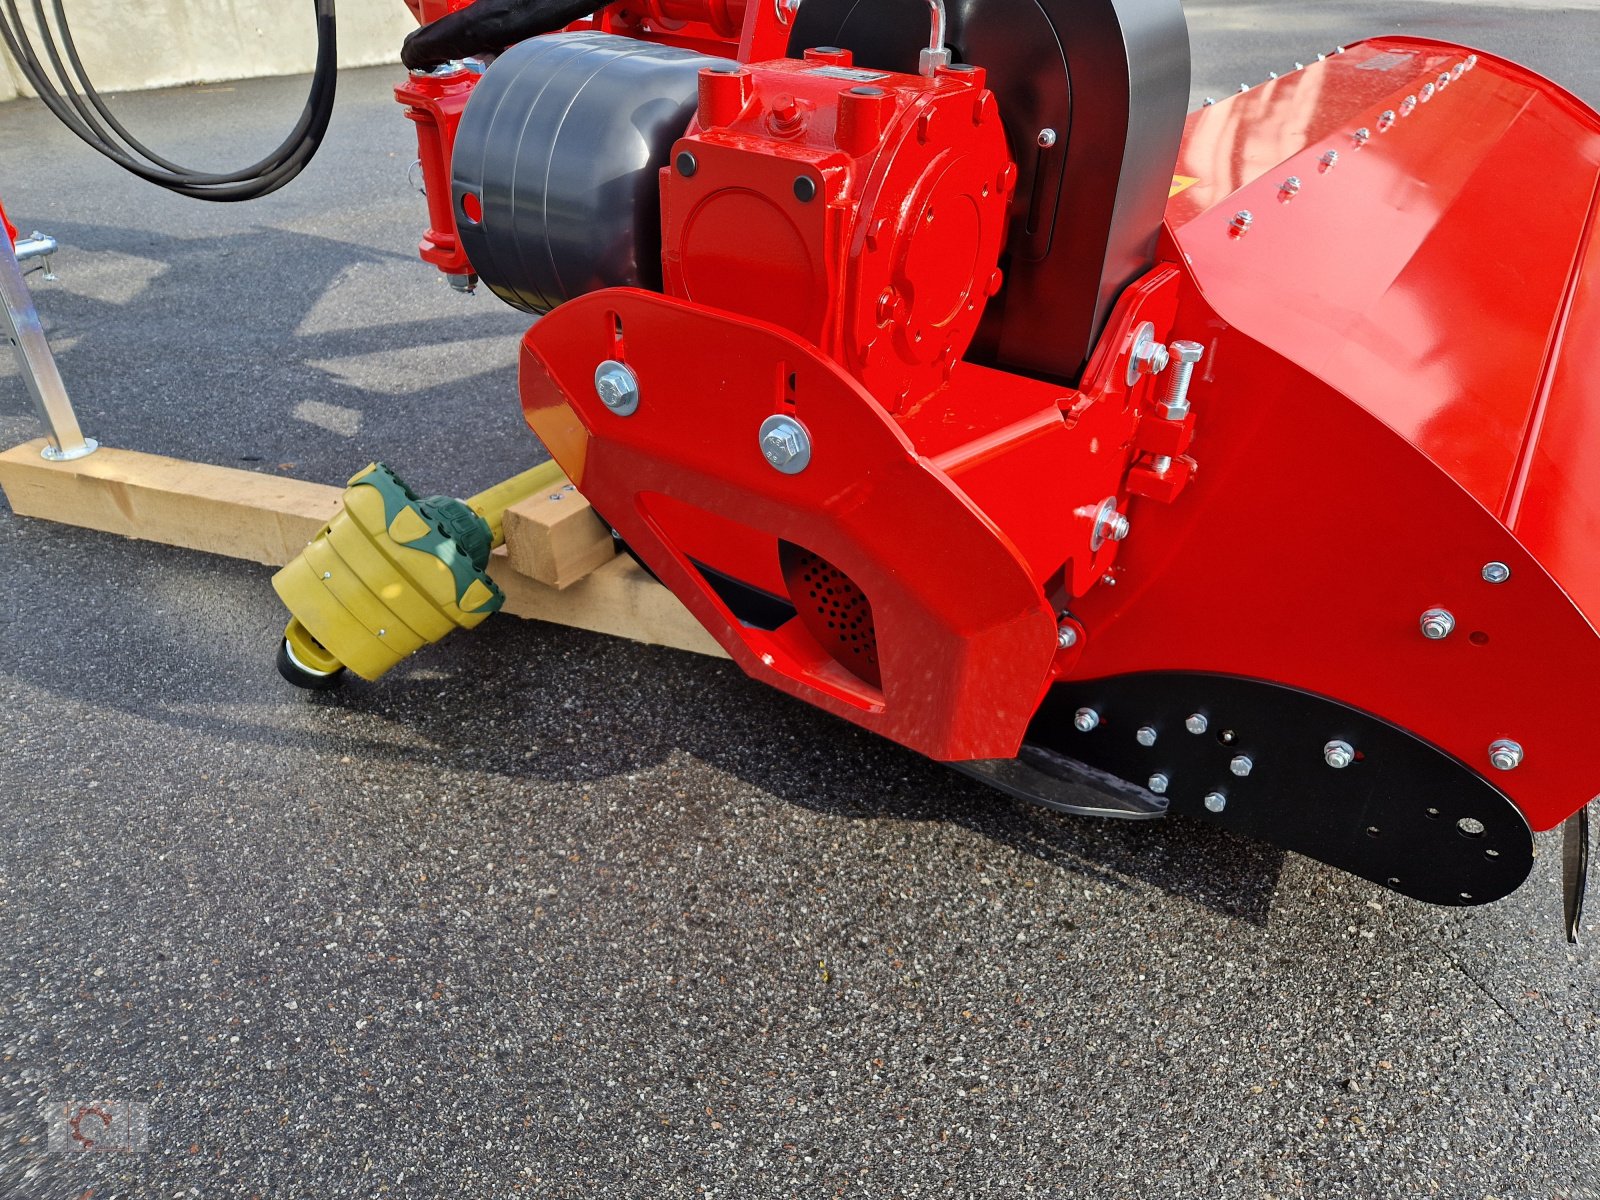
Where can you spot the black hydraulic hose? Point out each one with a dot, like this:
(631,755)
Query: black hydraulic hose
(82,110)
(489,25)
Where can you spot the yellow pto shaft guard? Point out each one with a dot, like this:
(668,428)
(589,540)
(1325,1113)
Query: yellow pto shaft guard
(391,573)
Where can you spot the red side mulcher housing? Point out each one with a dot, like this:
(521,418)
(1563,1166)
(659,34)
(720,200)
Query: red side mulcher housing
(897,404)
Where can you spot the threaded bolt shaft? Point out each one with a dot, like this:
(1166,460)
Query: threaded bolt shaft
(1182,357)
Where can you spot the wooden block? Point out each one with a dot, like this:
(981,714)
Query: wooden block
(618,598)
(554,537)
(221,510)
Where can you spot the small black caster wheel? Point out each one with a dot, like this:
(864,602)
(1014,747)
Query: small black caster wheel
(306,675)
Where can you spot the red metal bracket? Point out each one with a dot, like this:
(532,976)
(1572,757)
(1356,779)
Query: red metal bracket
(965,636)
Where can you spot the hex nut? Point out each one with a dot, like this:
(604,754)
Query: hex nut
(617,387)
(1437,623)
(1505,755)
(785,444)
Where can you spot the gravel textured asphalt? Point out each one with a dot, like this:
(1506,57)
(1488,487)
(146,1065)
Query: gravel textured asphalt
(555,915)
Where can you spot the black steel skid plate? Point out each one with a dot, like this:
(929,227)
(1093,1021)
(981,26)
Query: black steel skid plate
(1404,814)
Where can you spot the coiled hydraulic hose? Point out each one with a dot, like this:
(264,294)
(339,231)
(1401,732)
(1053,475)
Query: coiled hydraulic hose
(80,108)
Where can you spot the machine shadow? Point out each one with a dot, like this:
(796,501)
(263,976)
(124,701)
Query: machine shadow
(674,703)
(523,700)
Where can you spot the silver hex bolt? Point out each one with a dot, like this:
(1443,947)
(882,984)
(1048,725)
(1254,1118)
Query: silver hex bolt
(1149,357)
(1066,637)
(1146,736)
(1110,525)
(1242,765)
(1175,404)
(1196,723)
(1505,755)
(785,444)
(1085,719)
(1496,572)
(617,387)
(1159,783)
(1216,802)
(1437,623)
(1338,755)
(1046,138)
(1242,220)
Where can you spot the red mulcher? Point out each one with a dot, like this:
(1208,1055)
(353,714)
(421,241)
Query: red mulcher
(963,387)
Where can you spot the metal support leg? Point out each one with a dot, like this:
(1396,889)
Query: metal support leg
(38,245)
(38,365)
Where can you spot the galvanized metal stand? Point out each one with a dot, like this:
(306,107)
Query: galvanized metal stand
(38,364)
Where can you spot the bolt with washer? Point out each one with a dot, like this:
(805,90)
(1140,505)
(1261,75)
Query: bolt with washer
(1338,755)
(617,387)
(1148,357)
(1066,637)
(785,444)
(1505,755)
(1109,524)
(1496,572)
(1437,623)
(1085,719)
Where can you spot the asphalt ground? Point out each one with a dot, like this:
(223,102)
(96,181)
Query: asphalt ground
(550,914)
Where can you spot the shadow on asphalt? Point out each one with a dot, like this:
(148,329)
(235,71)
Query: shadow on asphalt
(370,335)
(559,706)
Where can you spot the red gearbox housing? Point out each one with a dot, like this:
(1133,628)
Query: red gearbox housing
(878,200)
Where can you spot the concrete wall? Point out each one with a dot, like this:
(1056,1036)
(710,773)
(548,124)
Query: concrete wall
(158,43)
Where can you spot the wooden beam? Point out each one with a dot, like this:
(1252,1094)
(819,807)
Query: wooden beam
(618,598)
(269,519)
(221,510)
